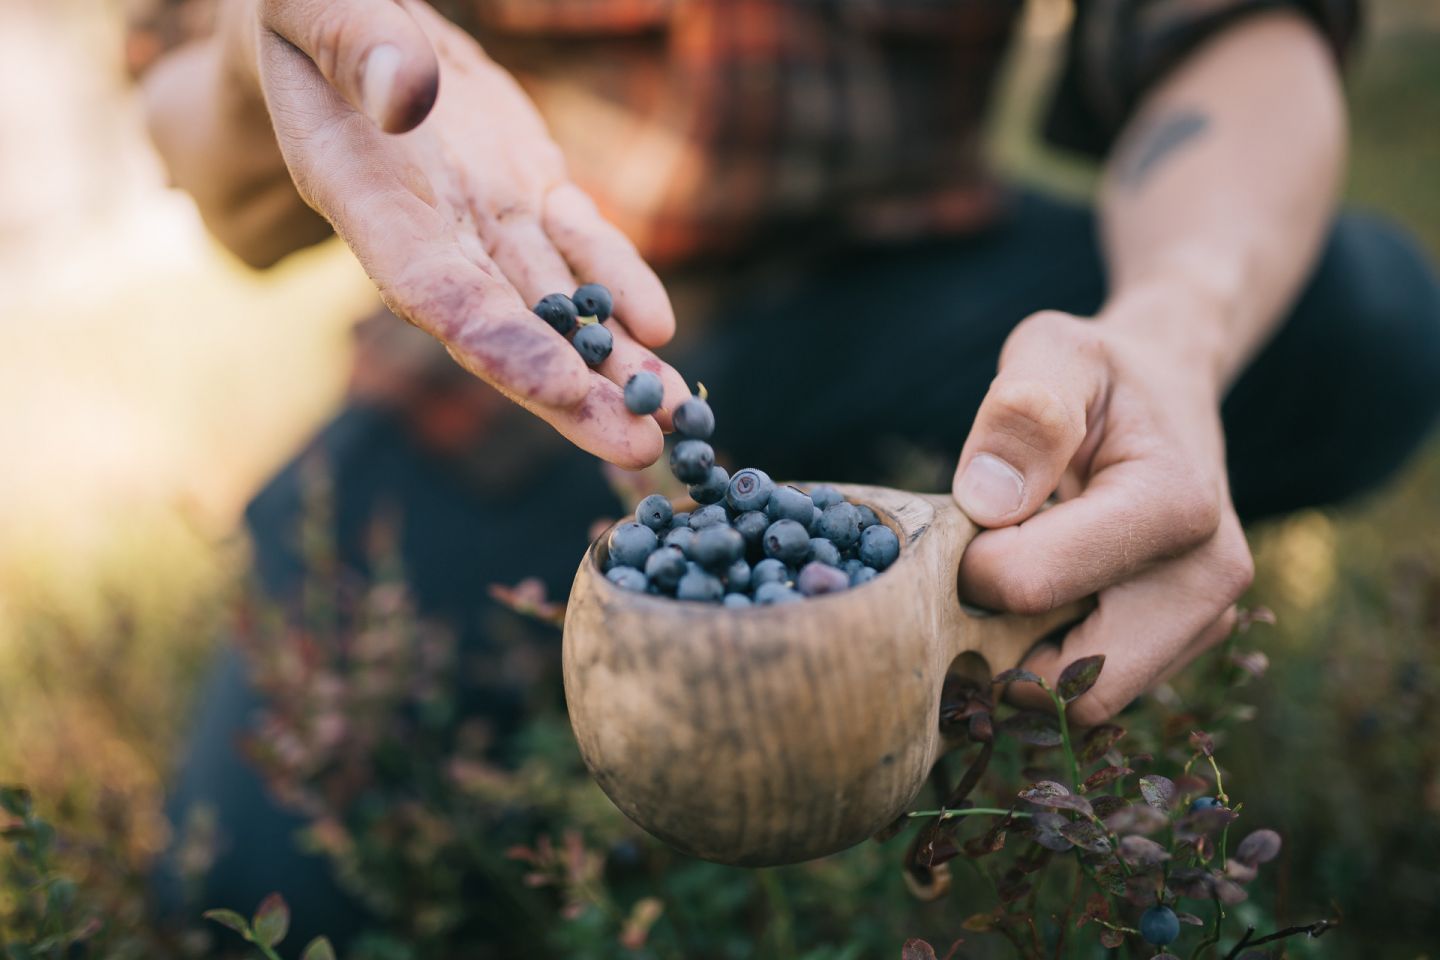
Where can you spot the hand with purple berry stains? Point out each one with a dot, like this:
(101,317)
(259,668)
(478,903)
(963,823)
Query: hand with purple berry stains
(286,123)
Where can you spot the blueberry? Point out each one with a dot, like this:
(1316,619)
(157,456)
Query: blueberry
(878,546)
(788,503)
(694,418)
(862,575)
(851,565)
(737,600)
(751,525)
(823,495)
(643,393)
(655,512)
(823,551)
(768,593)
(868,517)
(630,544)
(681,538)
(594,342)
(665,567)
(787,541)
(691,460)
(627,578)
(593,300)
(841,523)
(712,488)
(699,585)
(749,489)
(769,570)
(681,519)
(557,310)
(717,547)
(737,577)
(817,578)
(1159,925)
(815,513)
(708,516)
(1203,803)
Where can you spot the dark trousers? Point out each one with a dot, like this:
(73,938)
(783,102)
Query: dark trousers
(829,366)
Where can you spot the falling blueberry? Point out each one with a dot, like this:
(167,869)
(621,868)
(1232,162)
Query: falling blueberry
(694,418)
(691,460)
(712,488)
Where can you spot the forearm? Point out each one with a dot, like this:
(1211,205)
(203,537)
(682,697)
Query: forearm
(1220,191)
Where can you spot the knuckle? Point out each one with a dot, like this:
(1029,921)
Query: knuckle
(328,34)
(1027,594)
(1194,513)
(1034,414)
(1235,569)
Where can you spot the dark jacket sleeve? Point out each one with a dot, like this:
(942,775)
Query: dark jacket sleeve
(1119,49)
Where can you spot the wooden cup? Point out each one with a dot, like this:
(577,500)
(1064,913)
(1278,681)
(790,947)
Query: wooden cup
(777,734)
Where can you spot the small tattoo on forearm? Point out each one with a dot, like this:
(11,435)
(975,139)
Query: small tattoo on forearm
(1155,142)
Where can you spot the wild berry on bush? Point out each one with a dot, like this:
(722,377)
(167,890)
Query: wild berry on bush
(748,537)
(1159,925)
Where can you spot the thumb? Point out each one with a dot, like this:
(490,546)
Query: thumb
(370,51)
(1032,421)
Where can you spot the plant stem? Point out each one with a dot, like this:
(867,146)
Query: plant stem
(1065,740)
(969,812)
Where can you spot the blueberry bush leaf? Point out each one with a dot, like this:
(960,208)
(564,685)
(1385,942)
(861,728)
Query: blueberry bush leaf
(229,918)
(1077,679)
(318,949)
(271,921)
(1262,846)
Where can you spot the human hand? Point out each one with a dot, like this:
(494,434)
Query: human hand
(464,221)
(1123,423)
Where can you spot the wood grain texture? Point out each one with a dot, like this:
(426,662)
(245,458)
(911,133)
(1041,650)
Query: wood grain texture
(779,734)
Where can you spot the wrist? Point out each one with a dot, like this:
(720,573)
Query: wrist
(1189,320)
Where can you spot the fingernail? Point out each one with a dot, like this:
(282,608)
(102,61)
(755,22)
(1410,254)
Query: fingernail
(989,489)
(381,66)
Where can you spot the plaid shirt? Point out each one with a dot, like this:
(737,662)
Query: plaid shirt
(701,125)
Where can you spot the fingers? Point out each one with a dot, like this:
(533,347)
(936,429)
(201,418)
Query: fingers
(1150,627)
(530,261)
(598,252)
(370,51)
(629,358)
(348,170)
(1128,516)
(600,424)
(1031,423)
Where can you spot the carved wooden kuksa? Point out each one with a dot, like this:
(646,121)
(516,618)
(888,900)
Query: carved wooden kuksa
(775,734)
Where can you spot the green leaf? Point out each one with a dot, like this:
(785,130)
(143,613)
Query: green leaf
(1017,676)
(318,949)
(15,800)
(229,918)
(1079,677)
(271,921)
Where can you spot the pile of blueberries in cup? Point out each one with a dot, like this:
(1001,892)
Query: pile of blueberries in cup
(750,541)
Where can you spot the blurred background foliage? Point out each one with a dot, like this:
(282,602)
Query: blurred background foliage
(148,383)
